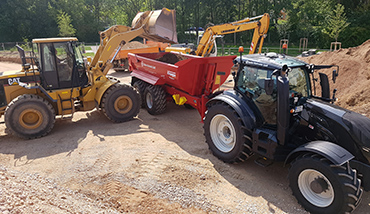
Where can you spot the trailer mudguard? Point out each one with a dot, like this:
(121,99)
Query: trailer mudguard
(333,152)
(241,106)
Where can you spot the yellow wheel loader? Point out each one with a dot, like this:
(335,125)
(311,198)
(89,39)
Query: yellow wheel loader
(56,81)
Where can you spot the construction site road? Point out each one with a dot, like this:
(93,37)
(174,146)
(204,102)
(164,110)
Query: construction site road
(152,164)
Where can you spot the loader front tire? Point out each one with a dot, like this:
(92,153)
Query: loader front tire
(322,187)
(120,103)
(29,116)
(155,99)
(225,135)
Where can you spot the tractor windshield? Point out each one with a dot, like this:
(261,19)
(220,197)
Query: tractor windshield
(251,82)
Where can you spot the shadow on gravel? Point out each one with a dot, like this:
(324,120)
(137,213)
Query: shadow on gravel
(270,183)
(65,136)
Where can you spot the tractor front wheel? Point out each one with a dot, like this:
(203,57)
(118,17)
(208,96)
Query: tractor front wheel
(225,135)
(29,116)
(120,103)
(322,187)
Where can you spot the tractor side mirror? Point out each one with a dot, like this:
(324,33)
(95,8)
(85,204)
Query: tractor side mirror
(269,86)
(325,87)
(334,76)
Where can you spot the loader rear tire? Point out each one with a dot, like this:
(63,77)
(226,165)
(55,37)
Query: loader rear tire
(120,103)
(225,135)
(29,116)
(155,99)
(322,187)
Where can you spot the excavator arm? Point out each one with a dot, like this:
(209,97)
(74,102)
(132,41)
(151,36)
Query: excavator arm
(260,24)
(158,25)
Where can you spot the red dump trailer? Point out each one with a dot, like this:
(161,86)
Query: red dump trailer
(189,80)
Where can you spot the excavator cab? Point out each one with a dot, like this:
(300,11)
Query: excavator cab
(60,63)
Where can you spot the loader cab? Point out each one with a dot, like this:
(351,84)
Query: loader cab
(60,63)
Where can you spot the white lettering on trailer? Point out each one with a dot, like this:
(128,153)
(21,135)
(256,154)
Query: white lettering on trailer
(171,75)
(146,65)
(14,81)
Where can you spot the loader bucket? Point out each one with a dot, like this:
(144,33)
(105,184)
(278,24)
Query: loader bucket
(161,26)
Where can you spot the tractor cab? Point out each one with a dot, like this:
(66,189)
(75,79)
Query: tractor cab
(60,63)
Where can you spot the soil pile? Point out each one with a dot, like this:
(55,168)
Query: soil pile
(171,58)
(10,56)
(353,82)
(134,45)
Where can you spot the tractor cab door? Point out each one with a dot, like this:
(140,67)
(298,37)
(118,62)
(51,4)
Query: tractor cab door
(58,65)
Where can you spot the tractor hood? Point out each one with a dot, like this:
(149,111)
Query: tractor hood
(14,77)
(359,126)
(356,125)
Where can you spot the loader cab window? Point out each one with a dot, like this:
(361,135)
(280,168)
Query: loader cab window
(57,65)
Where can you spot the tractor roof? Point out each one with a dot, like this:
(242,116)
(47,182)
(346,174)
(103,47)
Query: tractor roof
(60,39)
(271,60)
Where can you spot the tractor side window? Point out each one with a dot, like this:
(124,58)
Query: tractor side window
(64,59)
(252,82)
(298,82)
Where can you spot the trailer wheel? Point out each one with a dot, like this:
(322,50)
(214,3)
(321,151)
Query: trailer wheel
(225,135)
(120,103)
(155,99)
(322,187)
(29,116)
(140,87)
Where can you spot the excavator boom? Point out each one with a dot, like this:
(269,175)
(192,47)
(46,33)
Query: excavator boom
(260,24)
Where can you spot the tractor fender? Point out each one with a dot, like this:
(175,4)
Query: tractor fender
(239,104)
(333,152)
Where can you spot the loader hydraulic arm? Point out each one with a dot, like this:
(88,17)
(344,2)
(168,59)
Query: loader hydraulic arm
(260,24)
(144,25)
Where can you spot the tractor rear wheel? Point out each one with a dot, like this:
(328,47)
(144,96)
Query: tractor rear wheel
(225,135)
(120,103)
(155,99)
(140,87)
(29,116)
(322,187)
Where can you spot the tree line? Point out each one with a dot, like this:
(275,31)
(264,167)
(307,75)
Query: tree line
(321,21)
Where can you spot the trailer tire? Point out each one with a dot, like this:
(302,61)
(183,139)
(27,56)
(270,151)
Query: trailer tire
(225,134)
(322,187)
(29,116)
(120,103)
(140,86)
(155,99)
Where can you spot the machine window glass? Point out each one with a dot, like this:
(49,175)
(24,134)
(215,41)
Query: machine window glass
(252,82)
(48,58)
(64,59)
(298,82)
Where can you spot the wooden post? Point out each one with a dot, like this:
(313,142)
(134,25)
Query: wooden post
(335,44)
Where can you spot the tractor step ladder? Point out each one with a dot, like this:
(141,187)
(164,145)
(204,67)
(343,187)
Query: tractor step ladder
(264,142)
(69,102)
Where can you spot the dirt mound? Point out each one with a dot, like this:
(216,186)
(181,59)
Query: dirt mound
(171,58)
(134,45)
(10,56)
(353,82)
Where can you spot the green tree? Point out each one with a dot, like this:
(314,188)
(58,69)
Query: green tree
(64,24)
(336,22)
